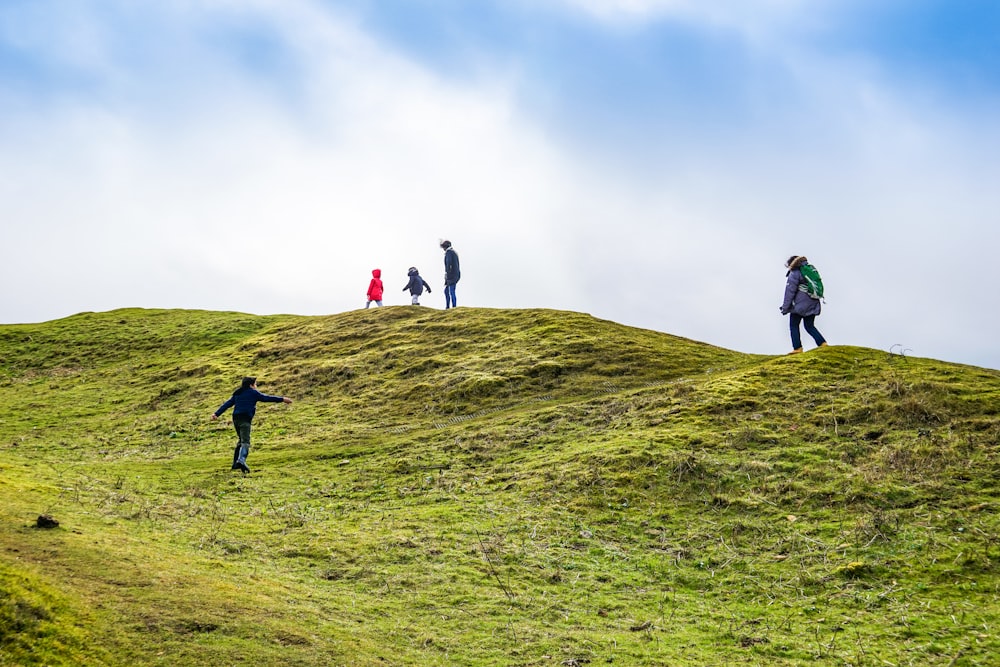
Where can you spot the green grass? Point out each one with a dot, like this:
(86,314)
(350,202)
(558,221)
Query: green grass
(488,487)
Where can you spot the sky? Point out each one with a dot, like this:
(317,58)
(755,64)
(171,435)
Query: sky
(650,162)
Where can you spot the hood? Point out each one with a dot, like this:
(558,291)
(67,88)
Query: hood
(376,273)
(796,261)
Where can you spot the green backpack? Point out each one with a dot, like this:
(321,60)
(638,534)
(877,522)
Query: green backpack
(813,284)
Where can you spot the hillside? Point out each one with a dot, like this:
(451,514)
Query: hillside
(488,487)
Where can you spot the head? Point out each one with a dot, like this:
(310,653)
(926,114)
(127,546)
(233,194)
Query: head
(412,271)
(794,262)
(245,384)
(445,245)
(376,273)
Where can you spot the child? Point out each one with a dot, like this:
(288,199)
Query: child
(245,400)
(417,285)
(375,289)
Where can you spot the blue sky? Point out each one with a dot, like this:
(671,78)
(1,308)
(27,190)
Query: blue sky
(651,162)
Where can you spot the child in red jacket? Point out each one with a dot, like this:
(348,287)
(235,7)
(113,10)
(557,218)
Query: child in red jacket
(375,288)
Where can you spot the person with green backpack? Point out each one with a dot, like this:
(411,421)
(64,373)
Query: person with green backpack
(803,292)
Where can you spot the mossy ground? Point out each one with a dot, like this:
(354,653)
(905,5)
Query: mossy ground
(484,487)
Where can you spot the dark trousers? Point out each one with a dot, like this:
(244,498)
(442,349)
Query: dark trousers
(242,425)
(807,321)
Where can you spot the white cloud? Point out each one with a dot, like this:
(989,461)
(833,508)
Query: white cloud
(381,160)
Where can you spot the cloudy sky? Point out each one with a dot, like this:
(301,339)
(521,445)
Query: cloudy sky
(651,162)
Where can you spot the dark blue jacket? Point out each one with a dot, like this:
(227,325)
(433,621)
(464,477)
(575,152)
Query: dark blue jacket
(245,402)
(417,285)
(451,271)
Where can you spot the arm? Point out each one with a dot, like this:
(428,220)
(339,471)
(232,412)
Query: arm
(267,398)
(791,287)
(451,271)
(426,286)
(222,408)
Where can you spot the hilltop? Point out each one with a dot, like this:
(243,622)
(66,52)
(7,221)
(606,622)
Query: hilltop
(488,487)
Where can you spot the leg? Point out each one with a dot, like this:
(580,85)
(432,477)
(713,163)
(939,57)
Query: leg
(241,462)
(242,425)
(239,440)
(793,327)
(812,330)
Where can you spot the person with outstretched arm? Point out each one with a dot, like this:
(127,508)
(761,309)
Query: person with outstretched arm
(244,404)
(415,285)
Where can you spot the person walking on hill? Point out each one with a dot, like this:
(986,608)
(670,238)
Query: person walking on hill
(417,285)
(452,274)
(375,288)
(800,306)
(244,404)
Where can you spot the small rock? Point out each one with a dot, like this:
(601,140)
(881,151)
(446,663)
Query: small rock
(46,521)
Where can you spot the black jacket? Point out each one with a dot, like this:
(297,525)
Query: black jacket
(451,272)
(417,285)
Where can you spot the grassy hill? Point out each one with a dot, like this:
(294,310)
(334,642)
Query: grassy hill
(488,487)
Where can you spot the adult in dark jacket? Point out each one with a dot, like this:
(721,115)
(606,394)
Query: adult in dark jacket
(244,404)
(452,274)
(416,286)
(799,306)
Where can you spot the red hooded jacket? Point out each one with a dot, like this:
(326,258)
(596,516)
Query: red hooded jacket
(375,287)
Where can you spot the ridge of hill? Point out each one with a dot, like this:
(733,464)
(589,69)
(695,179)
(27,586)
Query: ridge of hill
(483,487)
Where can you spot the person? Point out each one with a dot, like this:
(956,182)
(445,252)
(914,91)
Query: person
(417,285)
(375,288)
(799,305)
(244,404)
(451,274)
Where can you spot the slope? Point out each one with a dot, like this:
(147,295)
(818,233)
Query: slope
(485,487)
